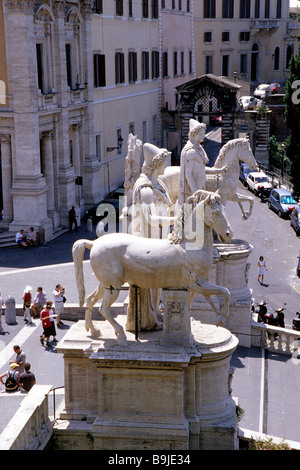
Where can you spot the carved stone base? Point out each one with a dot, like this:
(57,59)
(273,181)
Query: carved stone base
(147,395)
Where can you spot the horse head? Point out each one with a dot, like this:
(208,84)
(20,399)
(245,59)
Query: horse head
(214,214)
(235,150)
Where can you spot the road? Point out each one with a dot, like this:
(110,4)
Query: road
(271,237)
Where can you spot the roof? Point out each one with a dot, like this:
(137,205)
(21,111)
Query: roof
(222,82)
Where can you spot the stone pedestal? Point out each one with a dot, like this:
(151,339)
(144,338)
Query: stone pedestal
(148,395)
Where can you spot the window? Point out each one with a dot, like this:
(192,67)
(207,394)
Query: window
(131,128)
(165,64)
(119,7)
(119,140)
(279,9)
(257,9)
(173,5)
(289,54)
(39,59)
(145,65)
(243,63)
(98,6)
(145,9)
(188,5)
(267,8)
(208,64)
(277,58)
(244,8)
(190,61)
(207,36)
(175,63)
(145,130)
(225,36)
(99,70)
(244,36)
(119,68)
(154,8)
(209,9)
(68,63)
(130,8)
(163,3)
(182,62)
(227,9)
(132,66)
(98,142)
(179,5)
(155,64)
(225,65)
(154,129)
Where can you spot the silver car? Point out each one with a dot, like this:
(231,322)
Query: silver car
(295,220)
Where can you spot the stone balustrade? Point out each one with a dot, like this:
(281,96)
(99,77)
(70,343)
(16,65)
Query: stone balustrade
(30,428)
(280,340)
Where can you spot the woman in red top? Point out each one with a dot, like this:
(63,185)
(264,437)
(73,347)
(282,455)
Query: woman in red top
(46,322)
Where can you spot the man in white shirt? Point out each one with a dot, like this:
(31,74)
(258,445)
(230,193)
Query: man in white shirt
(58,296)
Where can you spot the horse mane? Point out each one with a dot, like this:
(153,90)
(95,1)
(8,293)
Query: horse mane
(222,157)
(201,196)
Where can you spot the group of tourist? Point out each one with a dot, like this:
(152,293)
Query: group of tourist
(19,375)
(26,241)
(42,308)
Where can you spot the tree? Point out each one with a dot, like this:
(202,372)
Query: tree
(292,120)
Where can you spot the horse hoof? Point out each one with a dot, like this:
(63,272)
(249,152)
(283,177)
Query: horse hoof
(219,320)
(123,342)
(95,332)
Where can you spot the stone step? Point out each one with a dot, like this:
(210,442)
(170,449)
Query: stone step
(7,239)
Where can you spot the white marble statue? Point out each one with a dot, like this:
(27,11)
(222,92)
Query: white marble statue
(151,218)
(229,156)
(132,167)
(193,161)
(175,262)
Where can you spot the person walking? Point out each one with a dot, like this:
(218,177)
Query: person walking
(72,219)
(26,304)
(2,307)
(262,268)
(39,301)
(46,322)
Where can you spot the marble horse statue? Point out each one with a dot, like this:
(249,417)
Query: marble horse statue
(230,154)
(179,261)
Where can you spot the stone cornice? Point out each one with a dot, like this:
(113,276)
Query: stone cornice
(20,6)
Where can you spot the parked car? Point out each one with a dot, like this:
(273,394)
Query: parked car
(275,87)
(282,202)
(111,205)
(244,172)
(248,102)
(262,90)
(295,220)
(258,181)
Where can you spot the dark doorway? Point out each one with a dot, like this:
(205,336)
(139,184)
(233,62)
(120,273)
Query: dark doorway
(254,62)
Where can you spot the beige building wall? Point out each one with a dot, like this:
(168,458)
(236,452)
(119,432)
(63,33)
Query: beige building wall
(131,106)
(255,48)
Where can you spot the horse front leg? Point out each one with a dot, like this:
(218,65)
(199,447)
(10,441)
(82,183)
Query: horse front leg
(110,296)
(239,198)
(92,299)
(207,290)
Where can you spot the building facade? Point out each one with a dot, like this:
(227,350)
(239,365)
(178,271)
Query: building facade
(252,40)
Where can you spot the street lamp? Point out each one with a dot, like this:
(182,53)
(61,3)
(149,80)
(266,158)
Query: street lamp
(111,149)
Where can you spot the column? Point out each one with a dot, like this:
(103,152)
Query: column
(6,177)
(47,162)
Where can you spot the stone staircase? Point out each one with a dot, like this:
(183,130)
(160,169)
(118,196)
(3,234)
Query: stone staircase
(7,239)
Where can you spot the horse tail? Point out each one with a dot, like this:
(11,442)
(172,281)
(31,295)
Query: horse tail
(78,254)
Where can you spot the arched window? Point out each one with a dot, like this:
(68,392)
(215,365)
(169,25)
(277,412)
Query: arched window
(276,58)
(289,55)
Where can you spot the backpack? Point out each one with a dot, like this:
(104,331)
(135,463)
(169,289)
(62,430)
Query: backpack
(11,385)
(27,296)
